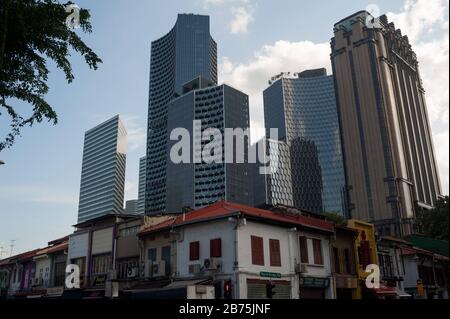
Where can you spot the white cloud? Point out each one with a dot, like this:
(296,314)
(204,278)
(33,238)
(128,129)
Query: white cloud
(131,190)
(442,149)
(221,2)
(241,13)
(425,23)
(419,17)
(213,2)
(242,17)
(136,133)
(251,77)
(434,59)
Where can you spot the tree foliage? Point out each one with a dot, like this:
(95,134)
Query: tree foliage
(335,218)
(434,223)
(31,33)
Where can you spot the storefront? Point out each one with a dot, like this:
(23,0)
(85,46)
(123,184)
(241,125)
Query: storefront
(256,289)
(346,287)
(386,292)
(382,292)
(54,292)
(4,279)
(164,289)
(313,287)
(29,269)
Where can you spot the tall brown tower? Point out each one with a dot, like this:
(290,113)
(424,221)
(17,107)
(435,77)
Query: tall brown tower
(387,144)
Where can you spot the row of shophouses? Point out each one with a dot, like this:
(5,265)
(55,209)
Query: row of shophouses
(226,251)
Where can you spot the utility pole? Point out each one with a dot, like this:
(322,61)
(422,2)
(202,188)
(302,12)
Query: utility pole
(12,247)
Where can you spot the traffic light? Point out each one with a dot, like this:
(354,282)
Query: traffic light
(270,290)
(227,289)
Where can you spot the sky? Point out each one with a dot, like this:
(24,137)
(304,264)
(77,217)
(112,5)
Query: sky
(39,184)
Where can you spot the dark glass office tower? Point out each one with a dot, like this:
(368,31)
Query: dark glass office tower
(307,179)
(186,52)
(199,184)
(303,108)
(141,187)
(386,136)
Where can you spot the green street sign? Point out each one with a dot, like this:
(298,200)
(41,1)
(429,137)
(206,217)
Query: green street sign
(314,282)
(270,274)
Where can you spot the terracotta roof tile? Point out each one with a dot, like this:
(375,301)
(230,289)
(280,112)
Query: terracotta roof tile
(167,224)
(57,248)
(58,241)
(224,209)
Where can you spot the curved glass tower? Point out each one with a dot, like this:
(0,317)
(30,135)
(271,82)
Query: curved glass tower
(186,52)
(303,108)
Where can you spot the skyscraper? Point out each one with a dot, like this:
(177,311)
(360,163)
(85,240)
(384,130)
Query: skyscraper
(186,52)
(303,108)
(131,207)
(278,184)
(199,184)
(141,188)
(388,150)
(103,170)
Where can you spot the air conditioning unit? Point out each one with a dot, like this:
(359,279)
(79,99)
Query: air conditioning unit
(195,269)
(132,272)
(155,269)
(212,264)
(301,268)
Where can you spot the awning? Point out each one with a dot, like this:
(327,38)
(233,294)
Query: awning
(385,290)
(30,294)
(54,292)
(403,294)
(186,283)
(174,290)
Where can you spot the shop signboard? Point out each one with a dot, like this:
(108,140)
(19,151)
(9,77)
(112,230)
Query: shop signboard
(314,282)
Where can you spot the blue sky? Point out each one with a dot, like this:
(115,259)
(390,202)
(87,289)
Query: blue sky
(39,185)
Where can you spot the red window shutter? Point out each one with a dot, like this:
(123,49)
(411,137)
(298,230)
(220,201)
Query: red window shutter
(364,253)
(275,254)
(216,248)
(194,251)
(317,245)
(336,261)
(257,251)
(303,250)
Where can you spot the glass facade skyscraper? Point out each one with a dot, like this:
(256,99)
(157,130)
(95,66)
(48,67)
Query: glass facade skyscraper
(199,184)
(186,52)
(303,108)
(103,170)
(141,188)
(278,185)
